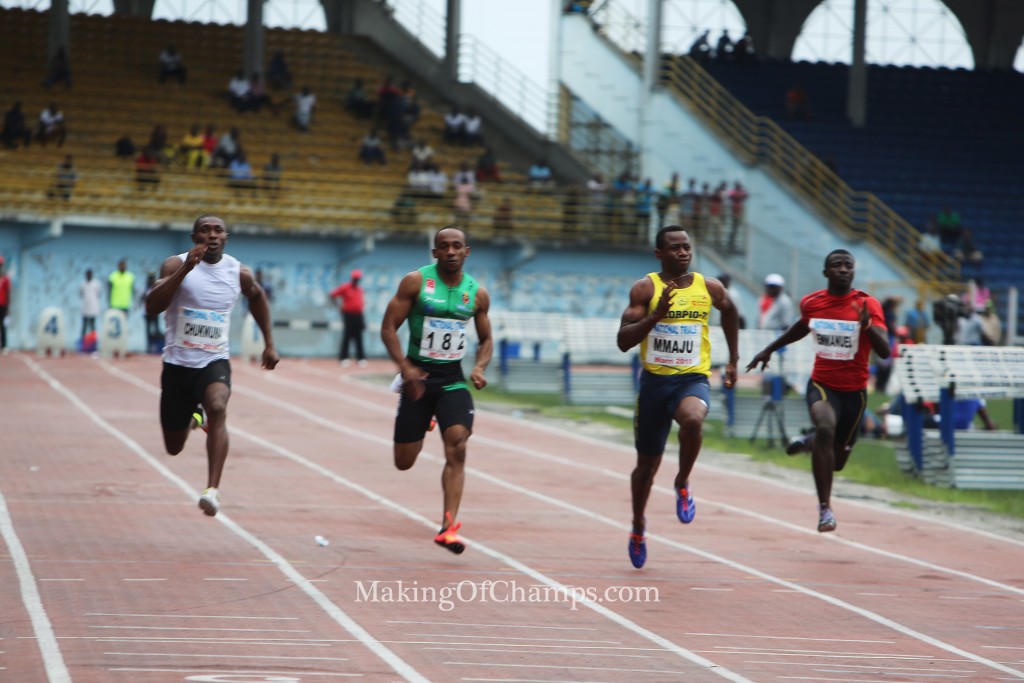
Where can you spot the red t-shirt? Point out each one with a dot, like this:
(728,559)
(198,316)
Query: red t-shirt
(5,290)
(841,347)
(351,297)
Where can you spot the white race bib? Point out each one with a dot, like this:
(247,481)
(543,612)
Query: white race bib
(201,329)
(674,345)
(835,339)
(443,339)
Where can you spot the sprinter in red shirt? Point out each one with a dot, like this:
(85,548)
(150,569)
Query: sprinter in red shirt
(846,325)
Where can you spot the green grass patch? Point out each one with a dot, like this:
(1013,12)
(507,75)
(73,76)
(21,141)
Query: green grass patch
(873,461)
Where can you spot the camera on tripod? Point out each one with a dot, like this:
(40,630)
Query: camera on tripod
(946,312)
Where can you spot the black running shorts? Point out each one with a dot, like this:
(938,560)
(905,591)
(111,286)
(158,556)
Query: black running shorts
(184,388)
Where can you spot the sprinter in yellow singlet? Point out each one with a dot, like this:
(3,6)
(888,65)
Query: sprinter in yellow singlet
(668,317)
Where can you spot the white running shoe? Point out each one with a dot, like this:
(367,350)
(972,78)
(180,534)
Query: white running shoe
(209,502)
(362,363)
(345,363)
(396,383)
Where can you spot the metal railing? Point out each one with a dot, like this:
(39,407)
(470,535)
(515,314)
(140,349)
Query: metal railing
(760,141)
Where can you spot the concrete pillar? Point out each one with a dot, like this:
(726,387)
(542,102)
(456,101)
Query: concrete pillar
(652,70)
(59,30)
(857,87)
(452,29)
(253,55)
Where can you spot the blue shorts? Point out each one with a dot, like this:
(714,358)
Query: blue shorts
(656,405)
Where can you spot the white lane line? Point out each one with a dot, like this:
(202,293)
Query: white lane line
(41,580)
(209,628)
(763,480)
(724,590)
(554,502)
(53,661)
(868,666)
(180,616)
(880,595)
(415,516)
(547,653)
(504,638)
(532,627)
(286,675)
(336,613)
(622,477)
(223,656)
(208,641)
(224,579)
(681,674)
(823,640)
(143,580)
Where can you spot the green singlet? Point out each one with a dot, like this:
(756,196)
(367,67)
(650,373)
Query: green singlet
(437,324)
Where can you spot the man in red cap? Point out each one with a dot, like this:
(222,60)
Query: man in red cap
(352,296)
(5,302)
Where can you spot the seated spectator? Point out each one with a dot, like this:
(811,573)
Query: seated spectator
(305,106)
(437,181)
(171,65)
(463,203)
(124,147)
(387,97)
(371,149)
(15,129)
(357,102)
(59,69)
(228,148)
(279,76)
(272,175)
(158,144)
(797,107)
(258,94)
(503,221)
(487,167)
(418,178)
(745,53)
(539,175)
(455,127)
(404,209)
(64,182)
(410,104)
(929,245)
(472,128)
(725,50)
(966,251)
(147,170)
(950,224)
(190,150)
(51,126)
(422,152)
(209,145)
(240,175)
(238,91)
(700,50)
(465,176)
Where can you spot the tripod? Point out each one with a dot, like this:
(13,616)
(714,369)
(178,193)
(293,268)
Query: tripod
(773,411)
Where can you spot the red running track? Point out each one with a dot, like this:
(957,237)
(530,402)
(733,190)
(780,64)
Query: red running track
(112,574)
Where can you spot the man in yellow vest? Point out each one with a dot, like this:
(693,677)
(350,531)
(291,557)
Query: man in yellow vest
(121,287)
(668,317)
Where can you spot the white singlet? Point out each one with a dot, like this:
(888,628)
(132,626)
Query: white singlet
(199,318)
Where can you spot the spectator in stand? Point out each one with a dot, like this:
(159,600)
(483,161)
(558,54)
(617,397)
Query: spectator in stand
(229,146)
(398,127)
(388,95)
(59,69)
(930,245)
(622,200)
(540,176)
(15,129)
(258,94)
(357,101)
(52,126)
(487,166)
(797,106)
(305,106)
(422,153)
(238,91)
(966,251)
(124,147)
(410,105)
(418,178)
(700,50)
(644,193)
(147,170)
(158,144)
(190,150)
(210,142)
(463,203)
(170,64)
(725,49)
(503,220)
(279,76)
(372,149)
(737,213)
(716,216)
(455,127)
(776,308)
(437,181)
(272,175)
(689,206)
(701,211)
(978,296)
(65,179)
(240,175)
(473,126)
(950,225)
(745,53)
(465,176)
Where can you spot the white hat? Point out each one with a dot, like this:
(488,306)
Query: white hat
(774,279)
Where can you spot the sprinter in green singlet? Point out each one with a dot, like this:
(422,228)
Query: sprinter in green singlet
(668,317)
(439,301)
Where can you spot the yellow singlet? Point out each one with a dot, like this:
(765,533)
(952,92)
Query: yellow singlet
(678,344)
